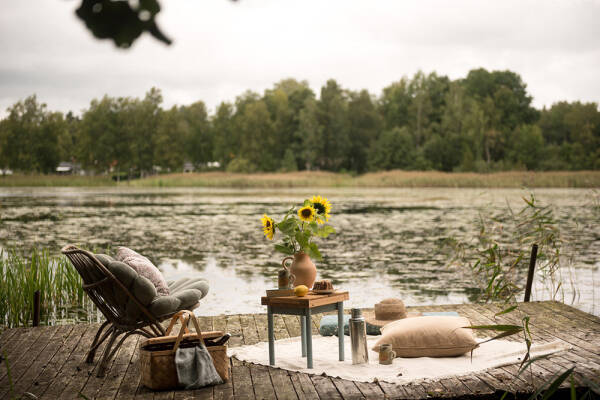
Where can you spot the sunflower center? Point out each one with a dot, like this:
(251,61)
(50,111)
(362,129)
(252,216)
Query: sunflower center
(320,208)
(306,213)
(268,224)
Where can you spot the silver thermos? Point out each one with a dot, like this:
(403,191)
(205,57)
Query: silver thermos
(358,338)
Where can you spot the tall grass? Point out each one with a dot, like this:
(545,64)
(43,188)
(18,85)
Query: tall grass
(255,180)
(499,255)
(510,179)
(59,284)
(408,179)
(398,179)
(498,259)
(23,180)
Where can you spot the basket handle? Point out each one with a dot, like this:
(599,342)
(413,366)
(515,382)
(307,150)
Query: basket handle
(185,320)
(174,318)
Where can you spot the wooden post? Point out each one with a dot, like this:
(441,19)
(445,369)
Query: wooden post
(36,308)
(534,250)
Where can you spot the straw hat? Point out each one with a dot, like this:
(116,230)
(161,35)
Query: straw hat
(387,311)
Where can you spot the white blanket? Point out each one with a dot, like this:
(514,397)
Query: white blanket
(325,359)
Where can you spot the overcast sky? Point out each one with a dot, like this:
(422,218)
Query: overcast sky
(222,48)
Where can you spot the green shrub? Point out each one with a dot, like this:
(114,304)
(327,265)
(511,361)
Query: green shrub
(241,165)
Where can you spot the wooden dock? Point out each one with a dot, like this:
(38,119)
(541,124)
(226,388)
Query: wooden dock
(48,362)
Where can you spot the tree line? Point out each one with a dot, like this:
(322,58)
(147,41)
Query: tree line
(483,122)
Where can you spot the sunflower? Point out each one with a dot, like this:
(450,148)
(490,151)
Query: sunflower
(268,226)
(307,213)
(322,206)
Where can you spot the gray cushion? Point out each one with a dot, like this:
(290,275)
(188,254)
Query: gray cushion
(132,311)
(164,305)
(105,259)
(143,290)
(200,284)
(174,285)
(123,272)
(188,297)
(126,276)
(187,293)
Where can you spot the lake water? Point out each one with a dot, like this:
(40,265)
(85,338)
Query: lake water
(389,241)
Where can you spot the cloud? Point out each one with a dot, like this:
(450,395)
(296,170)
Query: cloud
(222,48)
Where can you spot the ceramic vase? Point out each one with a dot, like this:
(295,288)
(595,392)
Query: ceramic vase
(303,269)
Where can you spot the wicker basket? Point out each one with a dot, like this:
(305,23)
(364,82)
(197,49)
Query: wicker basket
(157,355)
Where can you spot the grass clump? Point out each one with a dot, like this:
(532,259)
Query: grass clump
(253,180)
(59,284)
(24,180)
(391,179)
(511,179)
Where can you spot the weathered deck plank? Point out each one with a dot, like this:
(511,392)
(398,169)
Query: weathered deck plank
(14,348)
(53,365)
(283,384)
(51,370)
(32,369)
(75,372)
(303,386)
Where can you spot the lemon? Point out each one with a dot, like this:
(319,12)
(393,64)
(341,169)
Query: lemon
(300,290)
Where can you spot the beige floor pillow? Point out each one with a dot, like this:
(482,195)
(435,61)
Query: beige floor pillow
(434,336)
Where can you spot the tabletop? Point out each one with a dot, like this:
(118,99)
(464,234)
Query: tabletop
(311,300)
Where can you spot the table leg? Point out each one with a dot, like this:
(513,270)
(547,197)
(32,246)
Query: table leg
(340,310)
(271,336)
(309,355)
(303,334)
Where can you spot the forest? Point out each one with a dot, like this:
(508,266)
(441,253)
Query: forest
(484,122)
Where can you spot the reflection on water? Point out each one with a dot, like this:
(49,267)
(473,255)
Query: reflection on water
(389,242)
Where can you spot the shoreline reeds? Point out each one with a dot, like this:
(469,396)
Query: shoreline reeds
(61,292)
(388,179)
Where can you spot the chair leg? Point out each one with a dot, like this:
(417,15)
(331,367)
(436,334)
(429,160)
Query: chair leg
(107,354)
(97,342)
(110,353)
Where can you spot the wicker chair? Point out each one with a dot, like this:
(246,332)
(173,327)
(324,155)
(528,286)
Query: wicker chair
(116,301)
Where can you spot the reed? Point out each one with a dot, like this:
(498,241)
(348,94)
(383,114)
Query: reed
(256,180)
(401,179)
(24,180)
(514,179)
(510,179)
(59,284)
(499,256)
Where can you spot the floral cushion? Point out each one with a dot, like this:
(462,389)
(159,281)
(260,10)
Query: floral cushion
(144,267)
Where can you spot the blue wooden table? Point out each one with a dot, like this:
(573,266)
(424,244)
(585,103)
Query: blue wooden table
(305,307)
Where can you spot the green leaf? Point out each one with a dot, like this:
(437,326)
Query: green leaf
(306,203)
(325,231)
(284,249)
(287,226)
(506,311)
(522,368)
(554,384)
(526,323)
(502,328)
(313,251)
(302,238)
